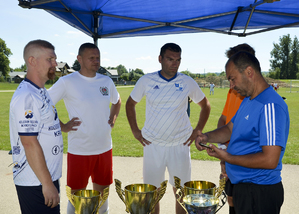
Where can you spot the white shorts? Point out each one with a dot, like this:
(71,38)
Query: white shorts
(156,158)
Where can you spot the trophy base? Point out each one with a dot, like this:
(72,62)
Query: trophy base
(201,204)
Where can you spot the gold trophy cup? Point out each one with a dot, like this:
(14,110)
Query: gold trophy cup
(200,197)
(140,198)
(87,201)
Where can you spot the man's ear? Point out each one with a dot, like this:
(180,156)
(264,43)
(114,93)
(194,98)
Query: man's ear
(32,61)
(249,71)
(79,58)
(160,58)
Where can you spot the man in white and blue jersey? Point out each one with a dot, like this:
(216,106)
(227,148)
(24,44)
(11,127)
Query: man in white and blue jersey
(167,132)
(258,136)
(35,134)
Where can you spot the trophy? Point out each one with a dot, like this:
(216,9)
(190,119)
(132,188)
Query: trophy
(87,201)
(200,197)
(140,198)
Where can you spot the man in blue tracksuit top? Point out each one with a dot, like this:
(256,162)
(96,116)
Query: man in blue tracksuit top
(258,135)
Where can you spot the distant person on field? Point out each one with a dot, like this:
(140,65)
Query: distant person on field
(212,86)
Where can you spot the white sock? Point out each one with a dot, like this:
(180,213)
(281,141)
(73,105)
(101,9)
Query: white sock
(70,208)
(104,209)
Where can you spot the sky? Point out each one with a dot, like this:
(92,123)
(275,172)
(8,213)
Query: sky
(201,52)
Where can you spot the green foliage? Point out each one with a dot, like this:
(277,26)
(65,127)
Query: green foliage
(22,68)
(121,70)
(274,74)
(125,76)
(4,61)
(188,73)
(76,65)
(285,58)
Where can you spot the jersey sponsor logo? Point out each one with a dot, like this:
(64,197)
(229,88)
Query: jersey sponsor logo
(55,150)
(28,114)
(156,87)
(58,133)
(179,86)
(56,126)
(104,91)
(247,117)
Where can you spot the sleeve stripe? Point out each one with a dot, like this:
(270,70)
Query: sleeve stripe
(270,124)
(273,120)
(266,121)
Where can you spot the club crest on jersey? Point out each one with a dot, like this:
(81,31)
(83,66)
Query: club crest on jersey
(55,150)
(28,114)
(179,86)
(104,91)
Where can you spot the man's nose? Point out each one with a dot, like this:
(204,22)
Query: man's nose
(231,85)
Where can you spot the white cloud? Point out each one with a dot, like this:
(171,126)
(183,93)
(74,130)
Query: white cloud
(105,59)
(56,35)
(144,58)
(73,54)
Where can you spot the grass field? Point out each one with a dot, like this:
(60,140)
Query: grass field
(124,143)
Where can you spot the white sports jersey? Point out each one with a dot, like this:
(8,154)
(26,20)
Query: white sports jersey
(32,113)
(87,98)
(167,122)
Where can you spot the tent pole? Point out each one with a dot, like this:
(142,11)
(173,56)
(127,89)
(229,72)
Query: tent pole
(96,26)
(95,41)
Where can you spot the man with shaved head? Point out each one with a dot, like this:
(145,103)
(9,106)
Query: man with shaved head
(35,134)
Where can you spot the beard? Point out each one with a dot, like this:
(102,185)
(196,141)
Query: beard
(51,73)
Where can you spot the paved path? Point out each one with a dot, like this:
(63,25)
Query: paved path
(129,170)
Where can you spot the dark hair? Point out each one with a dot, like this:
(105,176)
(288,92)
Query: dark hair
(38,43)
(242,47)
(170,46)
(243,59)
(86,46)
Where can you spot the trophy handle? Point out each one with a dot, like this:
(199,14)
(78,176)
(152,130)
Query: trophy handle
(223,200)
(220,189)
(220,194)
(120,192)
(160,192)
(177,183)
(180,195)
(70,195)
(102,199)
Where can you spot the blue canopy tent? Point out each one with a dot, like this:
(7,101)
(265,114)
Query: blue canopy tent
(128,18)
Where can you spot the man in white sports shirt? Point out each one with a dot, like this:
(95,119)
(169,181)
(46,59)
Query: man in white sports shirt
(87,96)
(35,134)
(167,132)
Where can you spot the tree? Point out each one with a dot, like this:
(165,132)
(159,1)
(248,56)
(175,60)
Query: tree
(76,66)
(22,68)
(125,76)
(4,61)
(121,70)
(294,58)
(285,57)
(139,71)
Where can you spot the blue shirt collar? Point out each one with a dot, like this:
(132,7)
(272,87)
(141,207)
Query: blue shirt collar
(168,80)
(27,80)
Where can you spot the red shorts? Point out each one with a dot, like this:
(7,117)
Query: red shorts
(81,167)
